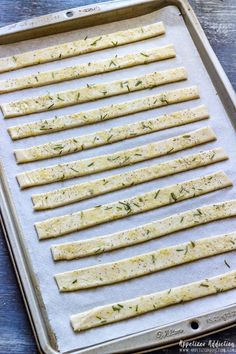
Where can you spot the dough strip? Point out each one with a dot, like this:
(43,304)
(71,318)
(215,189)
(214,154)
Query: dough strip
(106,314)
(82,46)
(109,136)
(59,123)
(66,224)
(78,192)
(87,69)
(121,158)
(147,232)
(91,92)
(143,264)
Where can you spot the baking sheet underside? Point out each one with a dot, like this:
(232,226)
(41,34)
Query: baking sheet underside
(60,306)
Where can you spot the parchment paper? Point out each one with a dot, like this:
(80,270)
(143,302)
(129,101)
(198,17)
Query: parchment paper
(59,307)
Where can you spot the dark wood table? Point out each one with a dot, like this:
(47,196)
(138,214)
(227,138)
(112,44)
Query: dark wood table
(218,18)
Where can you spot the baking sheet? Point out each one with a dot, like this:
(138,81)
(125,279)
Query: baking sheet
(60,306)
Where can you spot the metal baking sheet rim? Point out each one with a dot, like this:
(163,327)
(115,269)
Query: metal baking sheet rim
(155,337)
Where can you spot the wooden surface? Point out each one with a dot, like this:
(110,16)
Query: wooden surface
(218,19)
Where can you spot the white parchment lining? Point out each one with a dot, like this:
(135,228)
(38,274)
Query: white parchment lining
(59,307)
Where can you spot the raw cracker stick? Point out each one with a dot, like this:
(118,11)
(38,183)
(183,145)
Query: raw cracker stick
(78,192)
(66,224)
(81,46)
(109,136)
(87,69)
(106,314)
(59,123)
(147,263)
(159,228)
(121,158)
(91,92)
